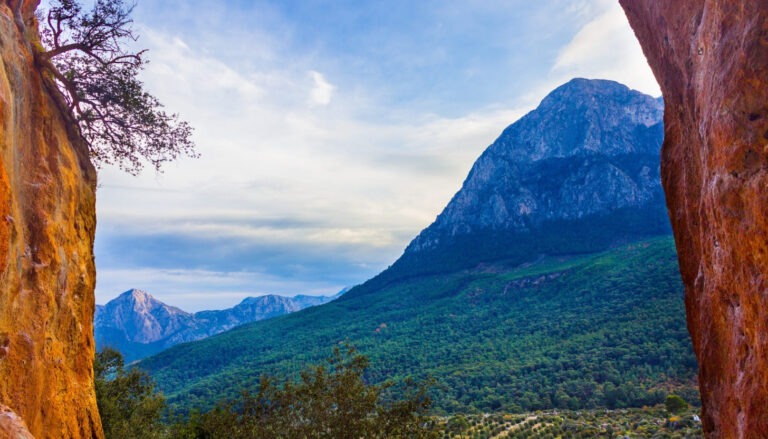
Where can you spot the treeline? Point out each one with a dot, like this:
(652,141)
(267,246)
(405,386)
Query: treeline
(327,401)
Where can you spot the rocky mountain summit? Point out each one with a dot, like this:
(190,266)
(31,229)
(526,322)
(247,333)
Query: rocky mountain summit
(592,146)
(139,325)
(586,158)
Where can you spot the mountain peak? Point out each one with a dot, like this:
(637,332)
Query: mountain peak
(589,150)
(138,324)
(582,117)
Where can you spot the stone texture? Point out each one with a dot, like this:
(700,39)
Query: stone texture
(711,60)
(12,426)
(47,224)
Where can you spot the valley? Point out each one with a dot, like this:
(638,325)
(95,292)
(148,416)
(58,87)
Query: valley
(550,281)
(605,330)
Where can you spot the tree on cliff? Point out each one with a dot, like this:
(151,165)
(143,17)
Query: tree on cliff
(85,55)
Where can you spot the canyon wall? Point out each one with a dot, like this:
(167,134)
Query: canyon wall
(47,225)
(711,60)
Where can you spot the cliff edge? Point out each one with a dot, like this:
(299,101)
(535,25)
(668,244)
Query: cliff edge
(47,225)
(711,60)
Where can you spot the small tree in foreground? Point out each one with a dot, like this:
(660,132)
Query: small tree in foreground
(85,55)
(128,405)
(329,401)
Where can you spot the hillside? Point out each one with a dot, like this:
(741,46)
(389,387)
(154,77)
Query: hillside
(138,325)
(605,330)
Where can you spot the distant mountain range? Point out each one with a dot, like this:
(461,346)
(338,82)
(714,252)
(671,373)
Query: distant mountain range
(549,281)
(138,325)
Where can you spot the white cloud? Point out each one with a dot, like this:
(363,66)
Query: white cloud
(606,48)
(322,90)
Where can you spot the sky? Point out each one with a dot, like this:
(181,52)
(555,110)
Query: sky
(331,132)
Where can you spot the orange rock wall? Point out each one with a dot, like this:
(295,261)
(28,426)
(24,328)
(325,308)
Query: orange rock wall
(47,225)
(711,60)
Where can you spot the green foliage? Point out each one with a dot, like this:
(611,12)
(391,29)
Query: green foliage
(330,401)
(567,332)
(128,404)
(590,234)
(675,404)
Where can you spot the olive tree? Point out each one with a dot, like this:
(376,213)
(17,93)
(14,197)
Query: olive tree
(86,55)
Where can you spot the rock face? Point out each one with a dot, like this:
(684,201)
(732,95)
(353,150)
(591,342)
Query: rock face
(47,224)
(12,426)
(577,174)
(711,60)
(139,325)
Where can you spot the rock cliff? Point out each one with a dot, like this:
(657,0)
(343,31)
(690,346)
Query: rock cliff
(47,224)
(711,60)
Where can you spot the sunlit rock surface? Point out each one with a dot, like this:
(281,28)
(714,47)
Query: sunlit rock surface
(12,426)
(47,224)
(711,60)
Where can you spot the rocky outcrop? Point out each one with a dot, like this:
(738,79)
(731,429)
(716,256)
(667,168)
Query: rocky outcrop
(138,325)
(711,60)
(47,224)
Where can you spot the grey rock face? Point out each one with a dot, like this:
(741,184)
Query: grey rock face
(591,147)
(139,325)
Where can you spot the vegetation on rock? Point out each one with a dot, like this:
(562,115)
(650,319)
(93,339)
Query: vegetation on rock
(86,56)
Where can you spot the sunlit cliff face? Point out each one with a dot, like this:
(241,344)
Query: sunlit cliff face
(47,223)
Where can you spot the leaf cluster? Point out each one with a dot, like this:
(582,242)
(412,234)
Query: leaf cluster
(88,58)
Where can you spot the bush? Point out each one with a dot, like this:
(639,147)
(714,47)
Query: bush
(675,404)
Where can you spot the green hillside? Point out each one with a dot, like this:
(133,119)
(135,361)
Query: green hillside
(603,330)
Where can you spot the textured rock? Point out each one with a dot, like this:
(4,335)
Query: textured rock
(711,60)
(591,147)
(47,224)
(12,426)
(138,325)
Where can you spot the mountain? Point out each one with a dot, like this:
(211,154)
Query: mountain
(578,174)
(549,280)
(139,325)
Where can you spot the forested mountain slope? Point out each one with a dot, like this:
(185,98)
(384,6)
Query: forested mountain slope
(549,280)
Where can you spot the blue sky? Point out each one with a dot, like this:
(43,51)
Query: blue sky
(331,132)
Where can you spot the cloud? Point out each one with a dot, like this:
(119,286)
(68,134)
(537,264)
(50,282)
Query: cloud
(607,48)
(322,90)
